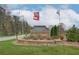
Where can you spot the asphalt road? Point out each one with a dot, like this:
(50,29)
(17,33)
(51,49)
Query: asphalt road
(10,37)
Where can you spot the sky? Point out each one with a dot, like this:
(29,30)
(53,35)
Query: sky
(69,13)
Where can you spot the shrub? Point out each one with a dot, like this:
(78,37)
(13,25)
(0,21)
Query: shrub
(73,37)
(72,34)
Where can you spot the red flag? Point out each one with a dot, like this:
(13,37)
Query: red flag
(36,16)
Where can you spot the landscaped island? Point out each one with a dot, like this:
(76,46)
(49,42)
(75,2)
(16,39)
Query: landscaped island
(8,48)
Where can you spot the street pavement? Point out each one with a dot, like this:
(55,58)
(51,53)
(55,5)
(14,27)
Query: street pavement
(10,37)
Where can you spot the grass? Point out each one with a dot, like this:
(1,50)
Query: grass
(8,48)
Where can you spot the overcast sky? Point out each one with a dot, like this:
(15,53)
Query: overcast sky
(69,14)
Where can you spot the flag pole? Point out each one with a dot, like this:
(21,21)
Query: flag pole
(59,24)
(58,12)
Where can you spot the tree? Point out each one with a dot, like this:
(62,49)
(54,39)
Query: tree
(2,21)
(54,32)
(11,25)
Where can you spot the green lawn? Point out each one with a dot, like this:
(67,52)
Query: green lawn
(8,48)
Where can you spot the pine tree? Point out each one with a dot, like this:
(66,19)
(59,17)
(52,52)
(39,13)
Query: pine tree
(54,31)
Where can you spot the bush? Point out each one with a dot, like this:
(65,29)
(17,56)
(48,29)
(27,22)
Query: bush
(61,37)
(73,37)
(72,34)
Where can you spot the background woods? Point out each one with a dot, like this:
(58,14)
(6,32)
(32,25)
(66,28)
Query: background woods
(10,24)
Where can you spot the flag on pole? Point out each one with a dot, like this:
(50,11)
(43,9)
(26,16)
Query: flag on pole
(36,15)
(58,12)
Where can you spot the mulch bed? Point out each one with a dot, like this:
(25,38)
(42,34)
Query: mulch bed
(46,42)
